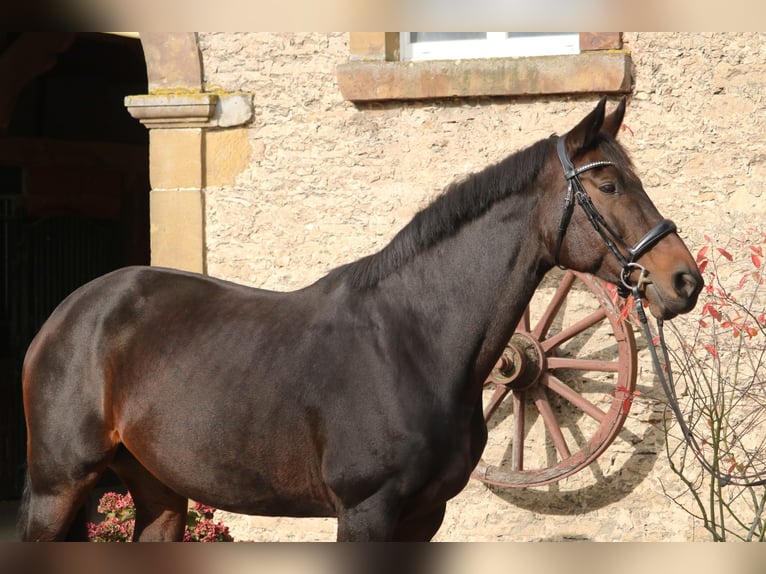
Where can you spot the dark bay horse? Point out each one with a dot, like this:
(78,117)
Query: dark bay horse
(357,397)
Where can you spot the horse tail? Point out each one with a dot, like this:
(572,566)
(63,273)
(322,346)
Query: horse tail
(22,519)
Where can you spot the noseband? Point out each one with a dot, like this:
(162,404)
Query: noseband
(576,193)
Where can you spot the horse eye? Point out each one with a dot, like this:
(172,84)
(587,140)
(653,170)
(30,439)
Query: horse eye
(607,188)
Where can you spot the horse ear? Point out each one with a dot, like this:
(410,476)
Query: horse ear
(583,134)
(613,121)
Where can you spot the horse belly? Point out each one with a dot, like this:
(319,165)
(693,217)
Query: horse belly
(263,485)
(233,467)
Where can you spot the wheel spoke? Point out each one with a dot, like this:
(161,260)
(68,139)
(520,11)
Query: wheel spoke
(541,329)
(551,424)
(576,329)
(494,402)
(523,325)
(563,390)
(517,450)
(583,364)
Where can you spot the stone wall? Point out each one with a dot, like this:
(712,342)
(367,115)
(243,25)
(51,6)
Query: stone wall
(328,182)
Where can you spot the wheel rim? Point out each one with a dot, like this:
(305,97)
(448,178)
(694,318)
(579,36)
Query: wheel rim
(554,412)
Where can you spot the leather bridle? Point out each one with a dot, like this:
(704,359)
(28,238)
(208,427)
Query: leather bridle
(576,194)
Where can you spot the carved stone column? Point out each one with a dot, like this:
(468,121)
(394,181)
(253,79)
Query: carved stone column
(178,165)
(180,114)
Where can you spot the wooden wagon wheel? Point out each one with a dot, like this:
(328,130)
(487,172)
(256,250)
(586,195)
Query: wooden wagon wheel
(562,390)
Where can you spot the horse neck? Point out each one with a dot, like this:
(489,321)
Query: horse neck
(470,290)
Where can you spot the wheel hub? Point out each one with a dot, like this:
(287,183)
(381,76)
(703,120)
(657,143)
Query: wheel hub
(521,364)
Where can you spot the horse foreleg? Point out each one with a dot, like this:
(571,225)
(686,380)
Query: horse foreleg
(372,520)
(378,519)
(160,512)
(420,527)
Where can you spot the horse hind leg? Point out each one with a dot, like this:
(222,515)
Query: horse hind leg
(66,457)
(160,511)
(58,509)
(50,513)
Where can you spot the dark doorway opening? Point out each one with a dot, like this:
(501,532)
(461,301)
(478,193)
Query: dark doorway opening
(74,191)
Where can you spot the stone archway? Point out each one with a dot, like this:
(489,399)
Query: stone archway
(173,65)
(180,116)
(172,60)
(73,191)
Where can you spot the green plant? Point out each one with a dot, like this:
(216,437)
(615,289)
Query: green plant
(120,516)
(718,358)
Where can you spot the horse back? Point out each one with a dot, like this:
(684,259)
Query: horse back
(143,322)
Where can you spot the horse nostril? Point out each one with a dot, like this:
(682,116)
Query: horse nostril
(687,285)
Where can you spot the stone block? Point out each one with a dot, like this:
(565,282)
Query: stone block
(177,237)
(227,154)
(175,158)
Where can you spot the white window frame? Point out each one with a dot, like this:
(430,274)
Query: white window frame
(496,45)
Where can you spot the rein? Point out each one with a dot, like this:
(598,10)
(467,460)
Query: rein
(670,392)
(576,194)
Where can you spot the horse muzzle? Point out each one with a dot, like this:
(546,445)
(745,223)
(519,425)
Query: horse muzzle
(674,297)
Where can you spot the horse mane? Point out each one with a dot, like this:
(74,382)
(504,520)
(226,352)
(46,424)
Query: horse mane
(461,202)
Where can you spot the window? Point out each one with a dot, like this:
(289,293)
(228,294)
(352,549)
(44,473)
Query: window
(415,65)
(415,46)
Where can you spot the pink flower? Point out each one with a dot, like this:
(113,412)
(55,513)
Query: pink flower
(119,522)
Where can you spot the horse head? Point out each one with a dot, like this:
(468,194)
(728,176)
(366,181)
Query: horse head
(618,234)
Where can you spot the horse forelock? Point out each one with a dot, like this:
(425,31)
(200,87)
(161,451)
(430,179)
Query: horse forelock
(462,201)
